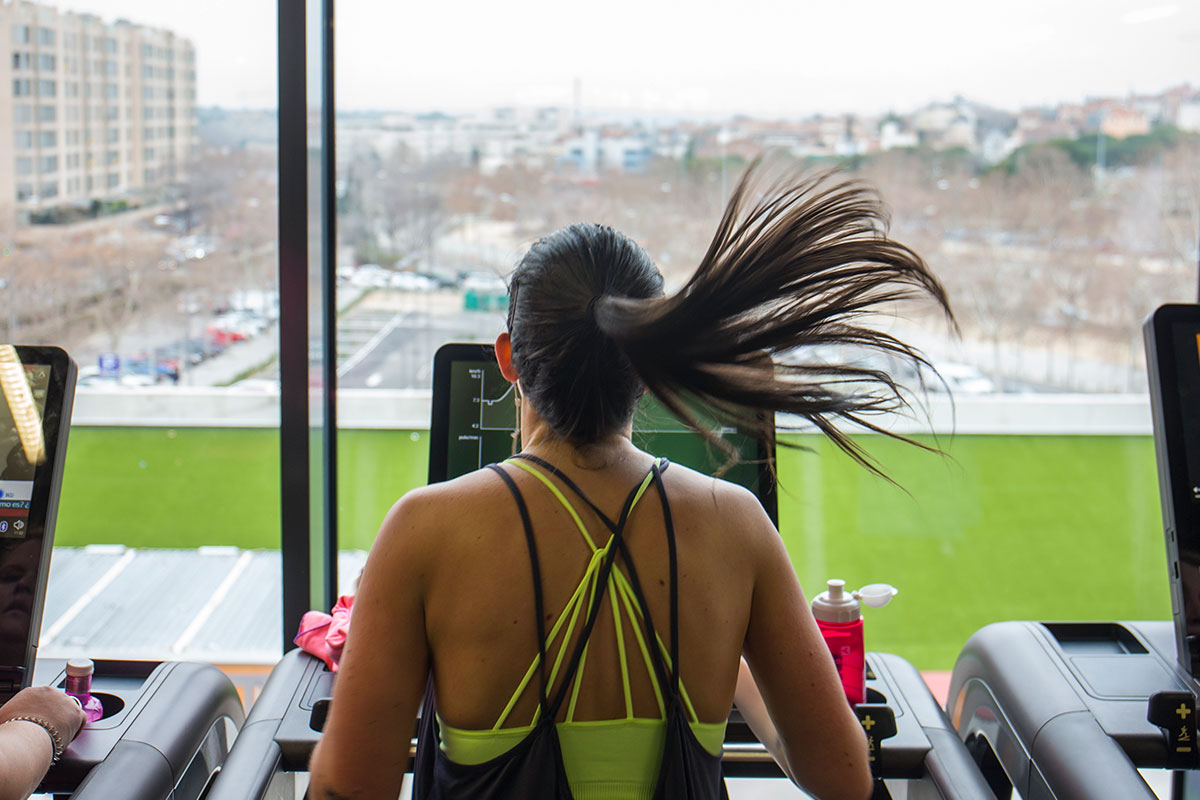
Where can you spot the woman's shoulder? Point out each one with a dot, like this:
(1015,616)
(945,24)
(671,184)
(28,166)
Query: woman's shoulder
(719,502)
(699,483)
(434,512)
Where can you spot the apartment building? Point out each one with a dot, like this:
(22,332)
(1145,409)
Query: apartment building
(89,111)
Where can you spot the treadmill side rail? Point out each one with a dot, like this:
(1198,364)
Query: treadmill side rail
(1062,706)
(258,754)
(278,737)
(172,727)
(947,767)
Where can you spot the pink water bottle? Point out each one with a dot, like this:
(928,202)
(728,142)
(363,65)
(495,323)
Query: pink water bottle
(840,620)
(79,686)
(839,616)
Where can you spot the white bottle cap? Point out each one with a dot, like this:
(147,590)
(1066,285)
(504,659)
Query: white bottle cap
(835,604)
(80,667)
(877,595)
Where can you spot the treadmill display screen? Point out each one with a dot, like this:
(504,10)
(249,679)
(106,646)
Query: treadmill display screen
(1173,363)
(474,426)
(1187,355)
(37,385)
(22,443)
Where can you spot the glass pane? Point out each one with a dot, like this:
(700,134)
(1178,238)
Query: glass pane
(140,235)
(315,61)
(1050,176)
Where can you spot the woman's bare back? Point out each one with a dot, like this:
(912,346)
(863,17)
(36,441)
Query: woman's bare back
(480,618)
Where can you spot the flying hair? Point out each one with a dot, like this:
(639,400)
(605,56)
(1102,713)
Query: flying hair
(803,262)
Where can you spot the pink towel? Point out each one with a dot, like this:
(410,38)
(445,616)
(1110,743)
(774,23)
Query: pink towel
(324,635)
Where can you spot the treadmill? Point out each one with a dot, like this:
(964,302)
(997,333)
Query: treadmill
(915,752)
(166,726)
(1065,710)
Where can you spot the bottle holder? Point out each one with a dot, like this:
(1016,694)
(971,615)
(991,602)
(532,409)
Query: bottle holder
(113,704)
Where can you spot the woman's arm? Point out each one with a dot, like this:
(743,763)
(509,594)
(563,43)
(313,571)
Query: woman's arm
(817,733)
(26,748)
(381,677)
(25,752)
(750,703)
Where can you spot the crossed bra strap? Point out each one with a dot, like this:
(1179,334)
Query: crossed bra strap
(659,467)
(548,707)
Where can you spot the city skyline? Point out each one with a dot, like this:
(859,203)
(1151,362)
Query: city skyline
(637,58)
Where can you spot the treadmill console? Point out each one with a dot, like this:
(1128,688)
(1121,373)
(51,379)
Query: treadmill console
(37,385)
(1172,335)
(473,423)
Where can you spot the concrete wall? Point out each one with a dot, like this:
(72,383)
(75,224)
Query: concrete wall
(378,409)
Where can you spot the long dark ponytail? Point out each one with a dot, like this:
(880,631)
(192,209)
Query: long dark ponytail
(799,263)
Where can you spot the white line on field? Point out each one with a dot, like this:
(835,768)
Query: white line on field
(218,597)
(87,597)
(362,352)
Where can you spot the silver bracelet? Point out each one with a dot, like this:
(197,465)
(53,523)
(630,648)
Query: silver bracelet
(56,739)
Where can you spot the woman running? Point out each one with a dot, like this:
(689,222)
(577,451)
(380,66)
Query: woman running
(580,612)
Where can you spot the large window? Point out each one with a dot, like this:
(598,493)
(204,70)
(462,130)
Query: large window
(162,285)
(1058,206)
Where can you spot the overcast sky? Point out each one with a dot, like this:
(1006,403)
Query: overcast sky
(775,58)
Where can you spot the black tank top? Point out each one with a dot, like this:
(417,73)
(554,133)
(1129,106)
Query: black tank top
(534,767)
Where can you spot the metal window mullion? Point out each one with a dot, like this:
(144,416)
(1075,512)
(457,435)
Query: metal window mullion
(293,315)
(329,298)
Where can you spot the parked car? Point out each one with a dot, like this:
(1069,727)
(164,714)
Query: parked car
(412,282)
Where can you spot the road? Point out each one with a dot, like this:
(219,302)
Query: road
(383,347)
(387,341)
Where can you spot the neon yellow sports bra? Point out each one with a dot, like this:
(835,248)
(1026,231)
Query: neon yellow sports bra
(615,759)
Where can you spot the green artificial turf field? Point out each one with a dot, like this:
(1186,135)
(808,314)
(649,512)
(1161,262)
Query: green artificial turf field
(1005,527)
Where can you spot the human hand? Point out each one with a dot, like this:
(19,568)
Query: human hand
(56,707)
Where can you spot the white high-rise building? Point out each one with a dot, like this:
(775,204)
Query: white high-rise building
(94,112)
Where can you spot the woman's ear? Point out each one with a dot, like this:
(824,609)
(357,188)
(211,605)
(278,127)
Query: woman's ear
(504,357)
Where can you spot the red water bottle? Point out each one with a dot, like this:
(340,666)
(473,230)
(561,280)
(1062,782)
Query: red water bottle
(840,619)
(839,616)
(79,686)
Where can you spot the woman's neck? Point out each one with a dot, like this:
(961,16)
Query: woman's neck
(539,439)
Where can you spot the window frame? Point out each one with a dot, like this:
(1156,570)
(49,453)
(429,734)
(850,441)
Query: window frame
(301,490)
